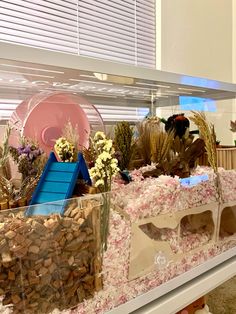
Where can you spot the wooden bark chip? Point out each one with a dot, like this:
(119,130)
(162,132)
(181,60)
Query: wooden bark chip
(50,262)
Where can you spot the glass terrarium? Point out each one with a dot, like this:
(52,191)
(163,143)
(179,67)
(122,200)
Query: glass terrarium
(170,209)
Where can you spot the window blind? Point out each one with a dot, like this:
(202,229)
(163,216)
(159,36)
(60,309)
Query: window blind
(120,31)
(49,24)
(146,33)
(120,113)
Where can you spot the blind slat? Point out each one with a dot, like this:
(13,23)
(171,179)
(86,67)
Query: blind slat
(17,22)
(105,48)
(121,4)
(35,15)
(56,5)
(108,56)
(89,23)
(106,52)
(109,33)
(62,3)
(37,10)
(37,38)
(35,43)
(106,42)
(51,45)
(107,7)
(24,16)
(114,18)
(35,33)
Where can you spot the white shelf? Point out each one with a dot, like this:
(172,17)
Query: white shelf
(184,289)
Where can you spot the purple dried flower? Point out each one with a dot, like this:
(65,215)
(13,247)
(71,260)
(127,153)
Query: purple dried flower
(19,150)
(27,149)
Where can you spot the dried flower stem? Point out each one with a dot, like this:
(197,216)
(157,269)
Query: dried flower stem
(4,153)
(7,189)
(27,187)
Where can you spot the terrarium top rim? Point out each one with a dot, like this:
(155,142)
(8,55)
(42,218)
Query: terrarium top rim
(28,70)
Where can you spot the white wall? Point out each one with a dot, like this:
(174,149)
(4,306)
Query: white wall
(234,40)
(234,55)
(197,37)
(197,40)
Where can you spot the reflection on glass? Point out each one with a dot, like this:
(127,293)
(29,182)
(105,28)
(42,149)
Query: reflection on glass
(199,82)
(197,103)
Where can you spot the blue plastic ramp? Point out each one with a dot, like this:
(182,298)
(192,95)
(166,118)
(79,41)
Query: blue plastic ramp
(57,184)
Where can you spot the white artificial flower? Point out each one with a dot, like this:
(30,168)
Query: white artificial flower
(105,165)
(99,165)
(113,166)
(104,156)
(92,172)
(99,182)
(99,135)
(100,143)
(108,146)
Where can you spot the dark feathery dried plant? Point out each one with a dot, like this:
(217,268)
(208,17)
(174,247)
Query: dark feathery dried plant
(123,143)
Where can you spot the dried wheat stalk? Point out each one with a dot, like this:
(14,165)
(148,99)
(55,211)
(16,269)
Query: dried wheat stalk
(4,154)
(153,145)
(207,132)
(7,189)
(167,144)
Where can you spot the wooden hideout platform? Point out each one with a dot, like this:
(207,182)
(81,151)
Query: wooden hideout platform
(149,252)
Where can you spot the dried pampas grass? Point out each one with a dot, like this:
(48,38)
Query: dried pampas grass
(161,143)
(144,142)
(71,133)
(154,144)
